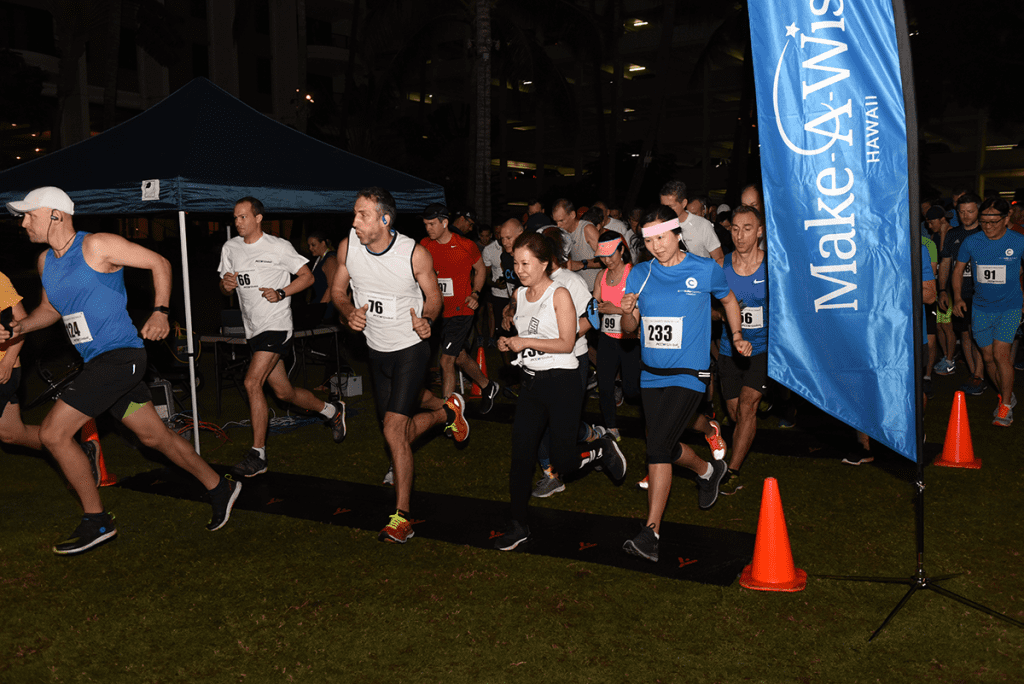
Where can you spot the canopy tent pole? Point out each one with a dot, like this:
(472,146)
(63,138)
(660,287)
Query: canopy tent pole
(188,330)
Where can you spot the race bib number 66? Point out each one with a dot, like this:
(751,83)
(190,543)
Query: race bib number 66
(663,332)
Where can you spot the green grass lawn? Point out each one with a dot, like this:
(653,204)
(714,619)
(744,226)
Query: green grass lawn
(274,599)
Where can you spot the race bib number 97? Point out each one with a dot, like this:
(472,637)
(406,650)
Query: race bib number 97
(78,328)
(447,286)
(663,332)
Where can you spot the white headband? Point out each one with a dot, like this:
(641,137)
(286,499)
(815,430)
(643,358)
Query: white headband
(659,228)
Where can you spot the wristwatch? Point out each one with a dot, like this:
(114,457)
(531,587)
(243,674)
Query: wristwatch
(281,294)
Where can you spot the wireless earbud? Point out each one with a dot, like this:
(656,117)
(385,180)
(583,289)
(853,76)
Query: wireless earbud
(385,220)
(53,217)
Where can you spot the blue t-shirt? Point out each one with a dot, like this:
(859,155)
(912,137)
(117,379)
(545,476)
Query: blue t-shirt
(996,266)
(675,317)
(92,304)
(927,275)
(752,293)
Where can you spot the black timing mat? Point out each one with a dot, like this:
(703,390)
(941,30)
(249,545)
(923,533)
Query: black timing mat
(687,552)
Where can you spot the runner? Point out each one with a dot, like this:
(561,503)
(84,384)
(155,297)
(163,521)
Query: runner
(83,285)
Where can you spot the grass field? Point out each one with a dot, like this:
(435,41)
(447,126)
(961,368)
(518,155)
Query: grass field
(274,599)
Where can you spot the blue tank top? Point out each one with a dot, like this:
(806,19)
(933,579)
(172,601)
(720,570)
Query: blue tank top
(752,294)
(92,304)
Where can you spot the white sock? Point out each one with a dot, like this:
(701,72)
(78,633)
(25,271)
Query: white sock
(262,451)
(707,475)
(328,410)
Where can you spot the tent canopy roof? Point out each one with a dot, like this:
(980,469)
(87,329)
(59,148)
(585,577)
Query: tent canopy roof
(207,149)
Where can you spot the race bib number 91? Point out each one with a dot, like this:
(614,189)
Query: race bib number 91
(663,332)
(78,328)
(991,275)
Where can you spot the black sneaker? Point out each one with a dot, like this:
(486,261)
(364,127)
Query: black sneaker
(644,544)
(337,423)
(516,534)
(251,465)
(94,530)
(708,489)
(92,453)
(612,461)
(222,498)
(487,400)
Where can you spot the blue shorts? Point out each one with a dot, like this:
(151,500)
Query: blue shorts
(994,325)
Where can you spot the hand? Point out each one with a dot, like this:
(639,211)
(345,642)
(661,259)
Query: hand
(230,281)
(156,328)
(608,308)
(357,319)
(516,344)
(473,301)
(270,294)
(6,368)
(959,308)
(628,302)
(943,301)
(743,347)
(507,317)
(503,344)
(420,325)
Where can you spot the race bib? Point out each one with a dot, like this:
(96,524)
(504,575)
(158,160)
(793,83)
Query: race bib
(663,332)
(447,286)
(78,328)
(611,323)
(967,270)
(381,306)
(992,275)
(753,317)
(247,280)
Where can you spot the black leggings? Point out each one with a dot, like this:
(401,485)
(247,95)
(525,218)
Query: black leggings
(550,399)
(612,354)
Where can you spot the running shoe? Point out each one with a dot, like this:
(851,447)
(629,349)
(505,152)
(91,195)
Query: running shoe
(1012,404)
(613,433)
(644,545)
(250,466)
(1019,365)
(619,396)
(94,530)
(487,400)
(643,484)
(548,485)
(516,535)
(611,459)
(389,479)
(785,423)
(731,484)
(92,452)
(944,367)
(337,423)
(1004,413)
(222,498)
(397,531)
(715,441)
(708,489)
(458,429)
(974,387)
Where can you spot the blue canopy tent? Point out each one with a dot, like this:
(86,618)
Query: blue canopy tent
(200,150)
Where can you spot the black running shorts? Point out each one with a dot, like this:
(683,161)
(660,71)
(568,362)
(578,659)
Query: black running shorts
(398,379)
(738,372)
(112,380)
(275,341)
(669,411)
(455,333)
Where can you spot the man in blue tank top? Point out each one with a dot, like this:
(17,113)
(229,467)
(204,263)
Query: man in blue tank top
(83,286)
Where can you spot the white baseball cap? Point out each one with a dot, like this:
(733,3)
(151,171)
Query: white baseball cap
(48,197)
(722,208)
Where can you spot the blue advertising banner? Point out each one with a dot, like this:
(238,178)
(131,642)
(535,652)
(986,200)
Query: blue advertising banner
(832,128)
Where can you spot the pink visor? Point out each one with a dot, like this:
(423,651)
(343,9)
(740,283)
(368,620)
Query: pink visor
(606,249)
(659,228)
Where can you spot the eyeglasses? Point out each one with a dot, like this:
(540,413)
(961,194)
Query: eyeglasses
(993,221)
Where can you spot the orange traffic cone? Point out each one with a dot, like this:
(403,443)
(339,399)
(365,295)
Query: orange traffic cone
(958,451)
(772,569)
(90,433)
(481,361)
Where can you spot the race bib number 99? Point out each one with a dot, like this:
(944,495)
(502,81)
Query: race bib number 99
(663,332)
(991,275)
(78,328)
(753,317)
(611,323)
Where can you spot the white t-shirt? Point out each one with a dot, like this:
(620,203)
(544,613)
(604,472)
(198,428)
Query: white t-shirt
(699,236)
(491,255)
(268,262)
(616,225)
(581,296)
